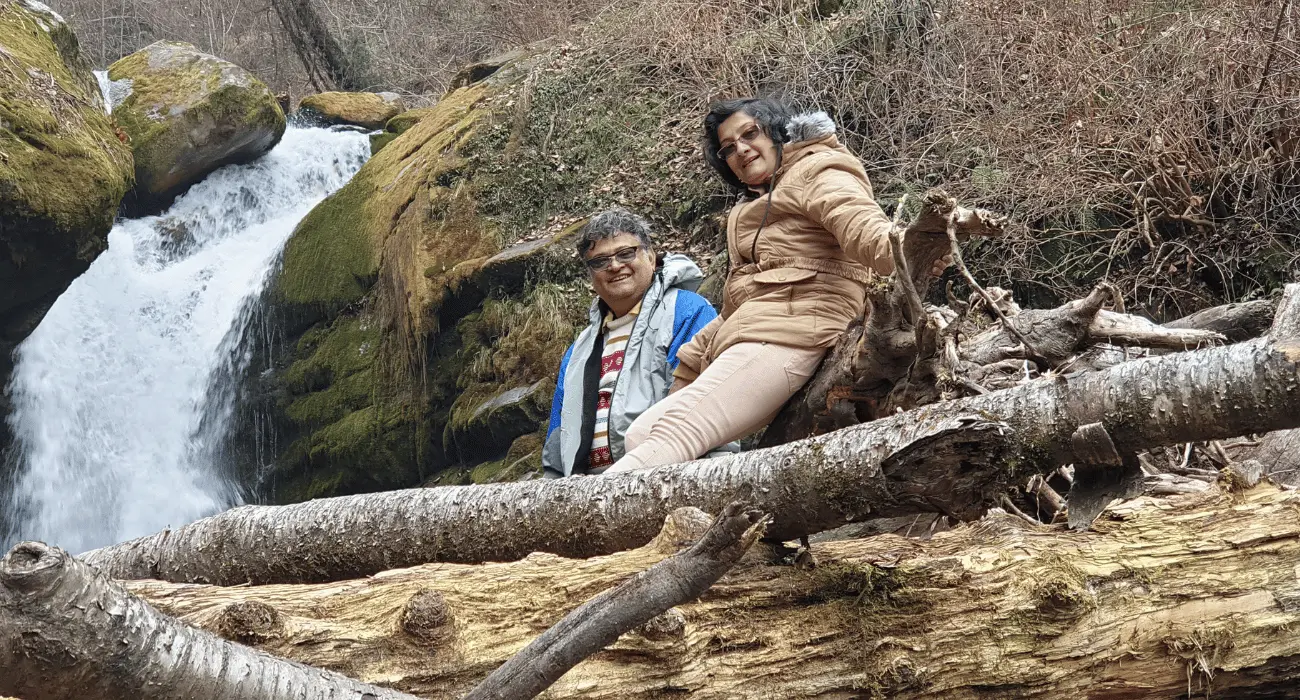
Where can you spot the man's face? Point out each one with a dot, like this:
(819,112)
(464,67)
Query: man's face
(621,284)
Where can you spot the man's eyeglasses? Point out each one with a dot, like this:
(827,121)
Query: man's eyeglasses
(622,255)
(747,136)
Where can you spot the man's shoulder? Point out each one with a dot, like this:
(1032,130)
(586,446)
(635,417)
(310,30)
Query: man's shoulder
(690,299)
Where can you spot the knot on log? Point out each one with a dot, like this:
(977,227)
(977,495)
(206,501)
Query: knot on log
(426,616)
(671,624)
(682,528)
(32,566)
(248,622)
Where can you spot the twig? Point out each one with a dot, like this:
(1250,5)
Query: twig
(1041,490)
(678,579)
(1272,52)
(903,273)
(957,260)
(1011,508)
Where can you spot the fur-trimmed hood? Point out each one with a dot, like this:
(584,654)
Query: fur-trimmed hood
(810,126)
(810,133)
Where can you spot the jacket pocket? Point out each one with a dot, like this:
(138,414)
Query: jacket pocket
(790,277)
(784,275)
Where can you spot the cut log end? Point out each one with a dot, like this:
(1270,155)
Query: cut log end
(682,528)
(31,566)
(248,621)
(426,616)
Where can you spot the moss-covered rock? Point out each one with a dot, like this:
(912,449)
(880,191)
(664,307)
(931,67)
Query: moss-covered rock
(368,110)
(189,113)
(63,168)
(397,126)
(428,303)
(484,424)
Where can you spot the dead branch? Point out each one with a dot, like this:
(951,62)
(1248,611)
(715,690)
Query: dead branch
(603,619)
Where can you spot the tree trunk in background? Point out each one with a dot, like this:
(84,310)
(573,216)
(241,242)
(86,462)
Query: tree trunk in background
(955,457)
(66,631)
(1166,596)
(327,64)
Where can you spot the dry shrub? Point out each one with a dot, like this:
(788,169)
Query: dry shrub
(411,46)
(1150,143)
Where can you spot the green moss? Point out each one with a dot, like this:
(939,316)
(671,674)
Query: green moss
(332,259)
(523,458)
(401,123)
(378,141)
(175,90)
(364,109)
(64,170)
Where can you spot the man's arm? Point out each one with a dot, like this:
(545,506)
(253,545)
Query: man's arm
(550,453)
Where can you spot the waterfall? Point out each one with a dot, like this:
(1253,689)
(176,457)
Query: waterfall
(123,393)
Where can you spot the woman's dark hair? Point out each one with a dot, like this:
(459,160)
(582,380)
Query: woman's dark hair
(772,116)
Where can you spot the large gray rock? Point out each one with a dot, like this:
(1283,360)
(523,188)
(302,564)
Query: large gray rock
(63,171)
(189,113)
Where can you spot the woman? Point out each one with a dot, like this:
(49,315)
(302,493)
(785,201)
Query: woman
(803,242)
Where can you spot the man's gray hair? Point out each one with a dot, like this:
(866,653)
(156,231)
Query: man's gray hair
(610,223)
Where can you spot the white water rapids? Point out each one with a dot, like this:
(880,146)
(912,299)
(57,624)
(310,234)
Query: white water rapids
(124,391)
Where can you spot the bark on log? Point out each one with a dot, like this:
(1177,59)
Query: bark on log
(1238,322)
(1279,452)
(68,632)
(955,458)
(597,623)
(1166,597)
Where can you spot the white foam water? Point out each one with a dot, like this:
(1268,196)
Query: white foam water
(124,391)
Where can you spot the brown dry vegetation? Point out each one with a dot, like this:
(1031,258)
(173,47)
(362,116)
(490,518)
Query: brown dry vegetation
(1154,143)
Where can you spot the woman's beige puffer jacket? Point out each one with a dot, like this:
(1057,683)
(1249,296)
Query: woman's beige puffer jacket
(804,279)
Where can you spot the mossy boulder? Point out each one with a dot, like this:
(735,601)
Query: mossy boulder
(63,168)
(189,113)
(368,110)
(482,425)
(397,126)
(425,307)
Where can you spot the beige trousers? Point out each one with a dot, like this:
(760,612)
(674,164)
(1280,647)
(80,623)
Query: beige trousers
(738,393)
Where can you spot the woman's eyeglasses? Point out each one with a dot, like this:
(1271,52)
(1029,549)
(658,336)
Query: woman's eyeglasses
(747,136)
(623,256)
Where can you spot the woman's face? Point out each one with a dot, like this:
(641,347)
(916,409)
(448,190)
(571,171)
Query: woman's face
(748,150)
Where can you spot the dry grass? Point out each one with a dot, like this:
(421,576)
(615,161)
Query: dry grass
(1155,144)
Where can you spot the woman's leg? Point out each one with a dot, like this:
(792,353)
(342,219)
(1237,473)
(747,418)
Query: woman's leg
(640,428)
(740,392)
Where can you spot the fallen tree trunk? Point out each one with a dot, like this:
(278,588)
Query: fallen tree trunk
(597,623)
(956,458)
(1167,597)
(66,631)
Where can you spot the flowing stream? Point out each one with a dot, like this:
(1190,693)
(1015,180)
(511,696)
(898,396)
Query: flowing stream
(124,392)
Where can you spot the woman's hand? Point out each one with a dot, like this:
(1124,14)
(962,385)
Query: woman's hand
(936,270)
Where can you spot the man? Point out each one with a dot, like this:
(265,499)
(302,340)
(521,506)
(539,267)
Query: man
(622,363)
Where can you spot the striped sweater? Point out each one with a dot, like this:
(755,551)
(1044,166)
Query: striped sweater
(617,333)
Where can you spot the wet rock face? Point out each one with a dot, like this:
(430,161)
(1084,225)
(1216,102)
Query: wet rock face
(63,172)
(368,110)
(187,114)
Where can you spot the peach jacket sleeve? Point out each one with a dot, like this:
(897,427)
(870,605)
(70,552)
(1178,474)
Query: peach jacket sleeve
(837,194)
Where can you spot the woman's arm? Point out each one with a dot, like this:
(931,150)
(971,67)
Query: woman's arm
(838,195)
(690,357)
